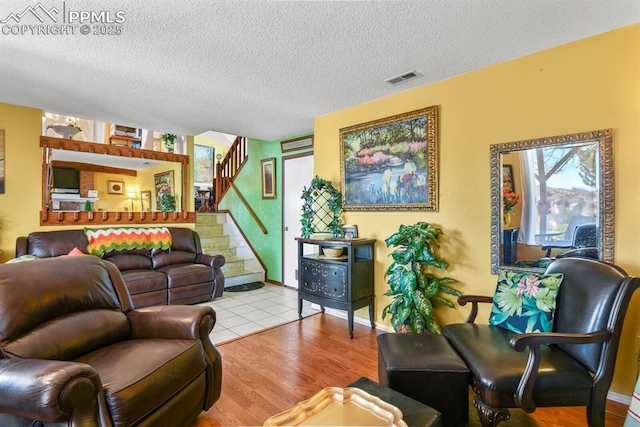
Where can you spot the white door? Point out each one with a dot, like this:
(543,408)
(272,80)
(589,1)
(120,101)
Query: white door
(297,174)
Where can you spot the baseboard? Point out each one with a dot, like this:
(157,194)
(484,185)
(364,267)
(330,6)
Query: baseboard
(619,398)
(356,319)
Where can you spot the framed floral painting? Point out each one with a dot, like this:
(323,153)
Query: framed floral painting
(391,163)
(164,184)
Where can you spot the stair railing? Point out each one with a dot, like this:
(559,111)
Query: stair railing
(228,168)
(247,207)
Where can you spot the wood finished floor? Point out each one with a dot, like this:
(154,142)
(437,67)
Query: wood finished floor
(269,372)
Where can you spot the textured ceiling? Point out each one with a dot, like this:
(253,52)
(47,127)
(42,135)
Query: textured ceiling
(265,69)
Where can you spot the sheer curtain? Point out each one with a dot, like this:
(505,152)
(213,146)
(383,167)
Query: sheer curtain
(527,232)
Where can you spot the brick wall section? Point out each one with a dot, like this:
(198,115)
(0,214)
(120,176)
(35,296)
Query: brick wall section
(86,182)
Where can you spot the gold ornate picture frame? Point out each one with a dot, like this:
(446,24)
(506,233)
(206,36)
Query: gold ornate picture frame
(268,167)
(391,163)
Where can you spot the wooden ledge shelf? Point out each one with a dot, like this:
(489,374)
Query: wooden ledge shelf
(109,218)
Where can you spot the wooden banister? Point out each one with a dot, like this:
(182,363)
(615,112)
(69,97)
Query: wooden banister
(246,205)
(229,167)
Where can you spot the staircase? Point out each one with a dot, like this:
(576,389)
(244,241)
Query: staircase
(219,235)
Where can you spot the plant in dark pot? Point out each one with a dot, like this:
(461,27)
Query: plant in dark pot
(416,291)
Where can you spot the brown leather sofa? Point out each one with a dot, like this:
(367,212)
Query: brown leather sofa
(181,275)
(74,351)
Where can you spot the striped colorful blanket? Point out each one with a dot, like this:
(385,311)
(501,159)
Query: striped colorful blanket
(102,240)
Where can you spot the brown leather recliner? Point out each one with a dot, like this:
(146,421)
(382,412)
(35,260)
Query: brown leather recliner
(74,352)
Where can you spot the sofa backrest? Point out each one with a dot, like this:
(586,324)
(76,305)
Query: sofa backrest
(61,308)
(134,259)
(46,244)
(185,245)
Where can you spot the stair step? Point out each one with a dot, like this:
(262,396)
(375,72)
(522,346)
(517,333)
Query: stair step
(217,242)
(209,230)
(210,218)
(232,266)
(226,253)
(219,236)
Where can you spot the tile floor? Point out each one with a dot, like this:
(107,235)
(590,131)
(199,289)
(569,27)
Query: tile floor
(243,313)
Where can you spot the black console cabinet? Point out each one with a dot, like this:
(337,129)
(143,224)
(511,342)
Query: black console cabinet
(344,283)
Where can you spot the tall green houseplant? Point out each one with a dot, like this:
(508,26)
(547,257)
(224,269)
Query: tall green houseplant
(415,290)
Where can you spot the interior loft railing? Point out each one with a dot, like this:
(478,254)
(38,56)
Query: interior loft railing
(228,168)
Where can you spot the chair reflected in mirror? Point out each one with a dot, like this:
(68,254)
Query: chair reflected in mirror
(581,233)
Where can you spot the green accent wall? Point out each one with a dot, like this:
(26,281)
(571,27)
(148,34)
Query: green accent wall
(269,211)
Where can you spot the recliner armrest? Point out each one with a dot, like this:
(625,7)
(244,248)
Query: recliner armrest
(50,391)
(524,392)
(172,322)
(210,260)
(216,262)
(474,300)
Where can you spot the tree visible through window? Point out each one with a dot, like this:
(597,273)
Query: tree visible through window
(565,189)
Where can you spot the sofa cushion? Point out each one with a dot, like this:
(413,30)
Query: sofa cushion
(141,281)
(130,261)
(187,274)
(525,301)
(163,258)
(495,365)
(76,252)
(133,390)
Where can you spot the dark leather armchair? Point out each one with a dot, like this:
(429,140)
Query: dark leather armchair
(75,352)
(571,366)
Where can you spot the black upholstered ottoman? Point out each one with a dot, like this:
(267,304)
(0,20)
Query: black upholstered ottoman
(426,368)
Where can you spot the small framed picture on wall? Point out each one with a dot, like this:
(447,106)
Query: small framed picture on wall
(115,187)
(269,178)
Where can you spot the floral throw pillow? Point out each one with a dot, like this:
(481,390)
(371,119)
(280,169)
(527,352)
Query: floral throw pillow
(524,301)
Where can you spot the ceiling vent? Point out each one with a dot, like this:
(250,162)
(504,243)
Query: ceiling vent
(404,77)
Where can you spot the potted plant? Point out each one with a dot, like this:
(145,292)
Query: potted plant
(321,209)
(167,202)
(415,290)
(169,140)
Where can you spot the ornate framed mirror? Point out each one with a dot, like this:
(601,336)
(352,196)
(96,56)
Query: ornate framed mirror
(101,184)
(552,197)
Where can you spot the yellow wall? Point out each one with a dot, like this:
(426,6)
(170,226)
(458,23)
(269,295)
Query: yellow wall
(115,202)
(587,85)
(21,203)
